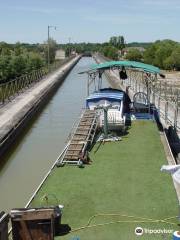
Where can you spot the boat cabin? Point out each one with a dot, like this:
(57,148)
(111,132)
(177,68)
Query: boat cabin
(113,105)
(113,100)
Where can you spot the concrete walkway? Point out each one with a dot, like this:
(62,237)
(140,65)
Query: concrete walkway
(13,112)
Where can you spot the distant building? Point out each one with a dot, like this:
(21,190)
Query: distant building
(73,53)
(60,54)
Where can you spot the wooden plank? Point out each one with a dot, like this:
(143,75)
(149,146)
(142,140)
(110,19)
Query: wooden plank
(32,215)
(88,125)
(31,224)
(25,231)
(79,138)
(76,142)
(74,149)
(87,120)
(84,128)
(72,154)
(71,158)
(82,134)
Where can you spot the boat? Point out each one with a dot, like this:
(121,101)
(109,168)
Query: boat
(111,99)
(108,177)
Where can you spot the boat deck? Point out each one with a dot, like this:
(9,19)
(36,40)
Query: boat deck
(123,188)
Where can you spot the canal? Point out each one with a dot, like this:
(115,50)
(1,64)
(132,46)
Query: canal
(28,160)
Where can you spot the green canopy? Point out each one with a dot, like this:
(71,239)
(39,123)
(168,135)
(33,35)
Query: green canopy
(128,64)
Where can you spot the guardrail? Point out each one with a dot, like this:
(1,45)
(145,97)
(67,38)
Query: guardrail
(16,86)
(164,96)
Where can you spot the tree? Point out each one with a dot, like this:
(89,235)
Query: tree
(5,71)
(150,53)
(34,62)
(16,60)
(159,53)
(117,41)
(113,41)
(120,42)
(173,61)
(163,52)
(52,50)
(134,55)
(110,52)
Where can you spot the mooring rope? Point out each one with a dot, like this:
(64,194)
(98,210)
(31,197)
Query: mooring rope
(140,220)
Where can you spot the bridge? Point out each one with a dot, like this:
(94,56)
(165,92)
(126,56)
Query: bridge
(22,97)
(15,116)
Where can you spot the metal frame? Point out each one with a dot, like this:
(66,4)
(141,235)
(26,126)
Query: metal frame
(89,138)
(12,88)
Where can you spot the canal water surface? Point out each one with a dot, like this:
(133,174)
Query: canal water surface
(24,166)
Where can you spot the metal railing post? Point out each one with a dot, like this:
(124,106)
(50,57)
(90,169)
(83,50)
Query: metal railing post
(175,115)
(166,111)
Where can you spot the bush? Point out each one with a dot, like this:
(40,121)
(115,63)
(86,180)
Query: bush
(134,55)
(164,54)
(110,52)
(18,62)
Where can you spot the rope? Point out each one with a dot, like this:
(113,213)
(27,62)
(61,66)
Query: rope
(141,220)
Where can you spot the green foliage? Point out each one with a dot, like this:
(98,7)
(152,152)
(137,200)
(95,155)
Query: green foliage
(110,52)
(16,60)
(173,61)
(52,50)
(164,54)
(134,55)
(139,44)
(5,69)
(34,62)
(17,64)
(117,41)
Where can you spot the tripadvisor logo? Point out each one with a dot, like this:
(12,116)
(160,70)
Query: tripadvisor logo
(139,231)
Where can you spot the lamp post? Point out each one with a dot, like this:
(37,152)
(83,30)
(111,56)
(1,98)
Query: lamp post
(48,44)
(69,46)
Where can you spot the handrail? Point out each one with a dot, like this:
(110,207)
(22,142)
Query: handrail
(162,95)
(11,89)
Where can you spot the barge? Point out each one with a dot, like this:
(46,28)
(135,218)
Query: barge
(118,189)
(108,178)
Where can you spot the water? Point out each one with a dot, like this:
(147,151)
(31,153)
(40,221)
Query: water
(26,163)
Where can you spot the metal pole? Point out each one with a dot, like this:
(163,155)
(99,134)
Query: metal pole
(159,104)
(165,91)
(166,111)
(88,86)
(69,46)
(48,45)
(48,48)
(175,114)
(105,122)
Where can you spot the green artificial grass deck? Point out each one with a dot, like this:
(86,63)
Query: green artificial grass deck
(124,178)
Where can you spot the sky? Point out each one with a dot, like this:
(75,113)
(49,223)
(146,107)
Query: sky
(89,20)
